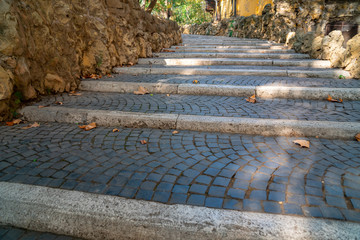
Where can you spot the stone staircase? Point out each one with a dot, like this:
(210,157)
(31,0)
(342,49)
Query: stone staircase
(192,144)
(282,109)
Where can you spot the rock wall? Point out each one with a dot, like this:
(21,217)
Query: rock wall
(46,45)
(301,24)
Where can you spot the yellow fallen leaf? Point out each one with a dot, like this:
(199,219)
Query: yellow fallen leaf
(88,127)
(168,95)
(195,82)
(13,122)
(302,143)
(175,132)
(251,99)
(358,137)
(330,99)
(59,103)
(141,91)
(143,142)
(74,93)
(115,130)
(34,125)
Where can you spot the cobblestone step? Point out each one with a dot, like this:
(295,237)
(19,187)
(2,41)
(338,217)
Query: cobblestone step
(233,80)
(210,123)
(227,47)
(232,50)
(310,93)
(234,61)
(231,55)
(296,109)
(312,73)
(216,170)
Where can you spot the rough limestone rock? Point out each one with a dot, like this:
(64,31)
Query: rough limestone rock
(332,48)
(6,86)
(352,57)
(48,45)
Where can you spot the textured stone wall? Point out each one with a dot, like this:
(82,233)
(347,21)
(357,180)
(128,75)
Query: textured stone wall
(301,24)
(46,45)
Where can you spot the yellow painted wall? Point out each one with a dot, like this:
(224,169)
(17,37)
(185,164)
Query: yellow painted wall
(243,7)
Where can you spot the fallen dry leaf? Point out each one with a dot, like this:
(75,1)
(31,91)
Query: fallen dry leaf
(115,130)
(34,125)
(175,132)
(251,99)
(74,93)
(358,137)
(168,95)
(330,99)
(13,122)
(88,127)
(130,64)
(141,91)
(41,106)
(195,82)
(302,143)
(109,75)
(177,48)
(166,50)
(59,103)
(143,142)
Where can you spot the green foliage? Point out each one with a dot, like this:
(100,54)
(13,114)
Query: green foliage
(182,11)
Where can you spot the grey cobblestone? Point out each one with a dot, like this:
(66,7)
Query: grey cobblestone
(12,233)
(225,174)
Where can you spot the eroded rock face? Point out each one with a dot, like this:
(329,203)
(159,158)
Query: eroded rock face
(332,48)
(48,44)
(352,57)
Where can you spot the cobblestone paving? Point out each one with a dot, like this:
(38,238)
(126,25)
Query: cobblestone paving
(11,233)
(230,171)
(213,106)
(237,80)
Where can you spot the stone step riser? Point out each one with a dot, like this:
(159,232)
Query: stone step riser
(224,61)
(331,73)
(266,92)
(233,50)
(96,216)
(232,55)
(249,126)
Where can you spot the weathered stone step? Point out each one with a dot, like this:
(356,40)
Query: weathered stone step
(251,126)
(235,80)
(235,61)
(232,55)
(231,44)
(70,212)
(231,50)
(311,93)
(228,47)
(313,73)
(227,106)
